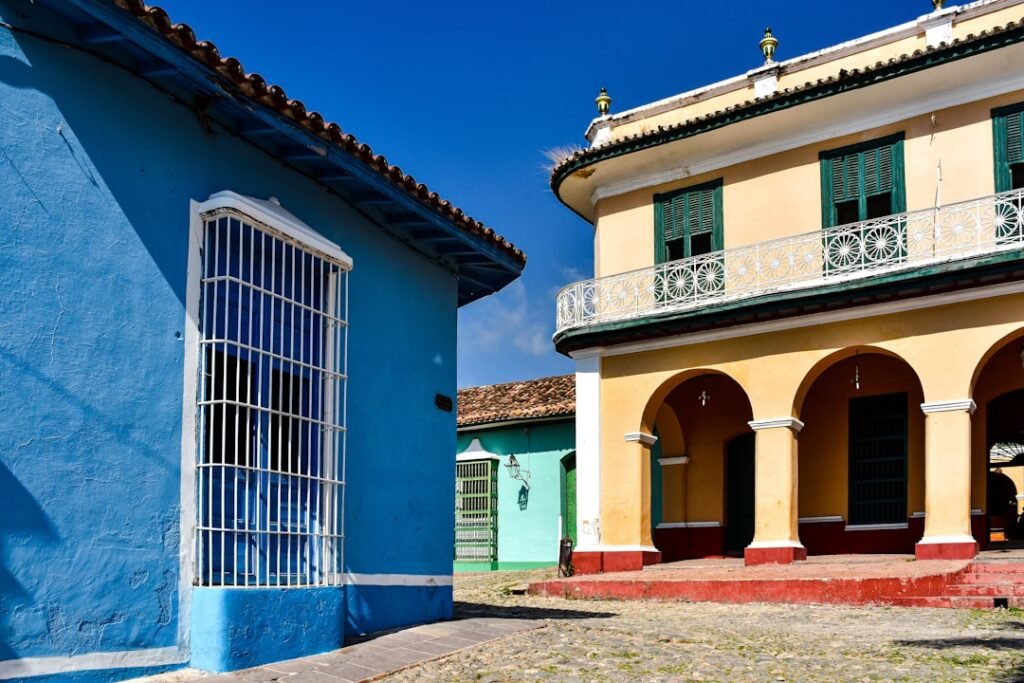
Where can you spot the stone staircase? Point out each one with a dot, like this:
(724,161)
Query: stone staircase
(983,584)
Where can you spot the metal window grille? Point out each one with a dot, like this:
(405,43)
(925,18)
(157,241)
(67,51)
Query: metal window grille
(270,456)
(476,511)
(878,459)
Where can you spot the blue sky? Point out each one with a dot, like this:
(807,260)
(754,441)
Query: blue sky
(467,96)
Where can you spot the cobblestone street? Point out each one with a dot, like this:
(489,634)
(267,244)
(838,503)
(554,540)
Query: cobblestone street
(583,640)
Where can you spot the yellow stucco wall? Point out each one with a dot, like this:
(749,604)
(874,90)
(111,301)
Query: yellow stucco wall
(824,469)
(943,345)
(797,75)
(780,195)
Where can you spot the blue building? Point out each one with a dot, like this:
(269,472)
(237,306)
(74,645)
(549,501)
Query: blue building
(217,310)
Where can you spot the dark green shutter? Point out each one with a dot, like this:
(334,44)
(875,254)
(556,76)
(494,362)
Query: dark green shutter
(1008,128)
(860,171)
(878,459)
(686,212)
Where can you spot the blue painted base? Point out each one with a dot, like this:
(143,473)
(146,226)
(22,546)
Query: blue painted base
(237,628)
(99,676)
(378,608)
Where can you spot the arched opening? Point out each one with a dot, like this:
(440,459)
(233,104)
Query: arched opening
(861,463)
(704,461)
(997,445)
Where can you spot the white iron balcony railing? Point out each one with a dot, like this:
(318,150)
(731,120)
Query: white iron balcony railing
(883,245)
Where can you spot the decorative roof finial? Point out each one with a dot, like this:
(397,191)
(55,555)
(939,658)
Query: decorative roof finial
(603,102)
(937,4)
(768,45)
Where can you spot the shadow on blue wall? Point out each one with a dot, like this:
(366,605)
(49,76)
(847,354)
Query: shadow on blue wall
(24,520)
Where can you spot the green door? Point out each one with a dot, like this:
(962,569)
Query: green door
(569,507)
(739,493)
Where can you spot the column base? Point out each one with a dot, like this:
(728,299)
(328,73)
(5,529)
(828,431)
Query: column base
(946,548)
(756,554)
(599,561)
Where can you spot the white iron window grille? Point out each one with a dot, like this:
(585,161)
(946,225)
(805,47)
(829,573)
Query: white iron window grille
(271,406)
(889,244)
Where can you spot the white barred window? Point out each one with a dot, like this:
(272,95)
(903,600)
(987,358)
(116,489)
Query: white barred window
(271,405)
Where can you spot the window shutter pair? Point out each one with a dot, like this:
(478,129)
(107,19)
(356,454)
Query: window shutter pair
(1014,147)
(875,166)
(685,213)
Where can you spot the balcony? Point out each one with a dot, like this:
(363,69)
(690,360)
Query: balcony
(892,244)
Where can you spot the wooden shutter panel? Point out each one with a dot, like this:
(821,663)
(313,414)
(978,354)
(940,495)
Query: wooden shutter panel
(878,170)
(701,211)
(673,217)
(845,174)
(1014,145)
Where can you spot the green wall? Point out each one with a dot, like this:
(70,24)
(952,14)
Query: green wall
(528,528)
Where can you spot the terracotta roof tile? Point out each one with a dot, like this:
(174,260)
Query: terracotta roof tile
(535,398)
(255,87)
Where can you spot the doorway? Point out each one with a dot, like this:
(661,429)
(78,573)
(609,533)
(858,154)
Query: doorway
(739,493)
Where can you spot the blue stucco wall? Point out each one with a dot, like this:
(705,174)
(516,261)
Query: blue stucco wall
(528,519)
(96,172)
(232,629)
(376,608)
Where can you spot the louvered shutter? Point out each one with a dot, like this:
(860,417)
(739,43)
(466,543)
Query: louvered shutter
(701,211)
(878,170)
(845,178)
(673,217)
(1014,146)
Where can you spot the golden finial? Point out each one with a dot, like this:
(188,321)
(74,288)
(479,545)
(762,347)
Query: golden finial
(937,4)
(603,102)
(768,45)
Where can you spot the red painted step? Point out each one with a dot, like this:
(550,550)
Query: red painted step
(954,601)
(986,589)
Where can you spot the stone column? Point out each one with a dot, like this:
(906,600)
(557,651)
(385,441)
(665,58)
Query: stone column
(776,537)
(947,482)
(587,553)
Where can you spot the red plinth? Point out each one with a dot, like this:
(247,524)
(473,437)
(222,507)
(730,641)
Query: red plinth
(780,555)
(597,562)
(946,551)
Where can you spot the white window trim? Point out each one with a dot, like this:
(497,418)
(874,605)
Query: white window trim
(270,214)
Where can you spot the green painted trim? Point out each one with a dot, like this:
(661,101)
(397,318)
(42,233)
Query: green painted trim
(474,566)
(899,191)
(823,298)
(852,81)
(717,233)
(1003,176)
(462,567)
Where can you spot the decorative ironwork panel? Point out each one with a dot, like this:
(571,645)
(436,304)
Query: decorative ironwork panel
(890,244)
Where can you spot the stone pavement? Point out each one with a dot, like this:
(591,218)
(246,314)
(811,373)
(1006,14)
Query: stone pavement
(369,659)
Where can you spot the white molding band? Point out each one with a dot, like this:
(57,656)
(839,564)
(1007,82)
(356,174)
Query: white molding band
(92,661)
(681,460)
(975,512)
(808,320)
(758,545)
(960,405)
(825,519)
(916,515)
(689,525)
(876,527)
(641,437)
(935,540)
(777,422)
(412,580)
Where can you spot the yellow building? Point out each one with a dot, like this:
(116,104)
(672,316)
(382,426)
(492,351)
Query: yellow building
(805,329)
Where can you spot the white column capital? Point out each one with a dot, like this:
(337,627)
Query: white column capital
(776,423)
(958,405)
(641,437)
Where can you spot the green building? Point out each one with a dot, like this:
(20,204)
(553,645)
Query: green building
(515,482)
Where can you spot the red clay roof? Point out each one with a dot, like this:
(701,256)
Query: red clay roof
(532,399)
(255,87)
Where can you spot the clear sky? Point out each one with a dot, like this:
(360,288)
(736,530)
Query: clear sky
(467,96)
